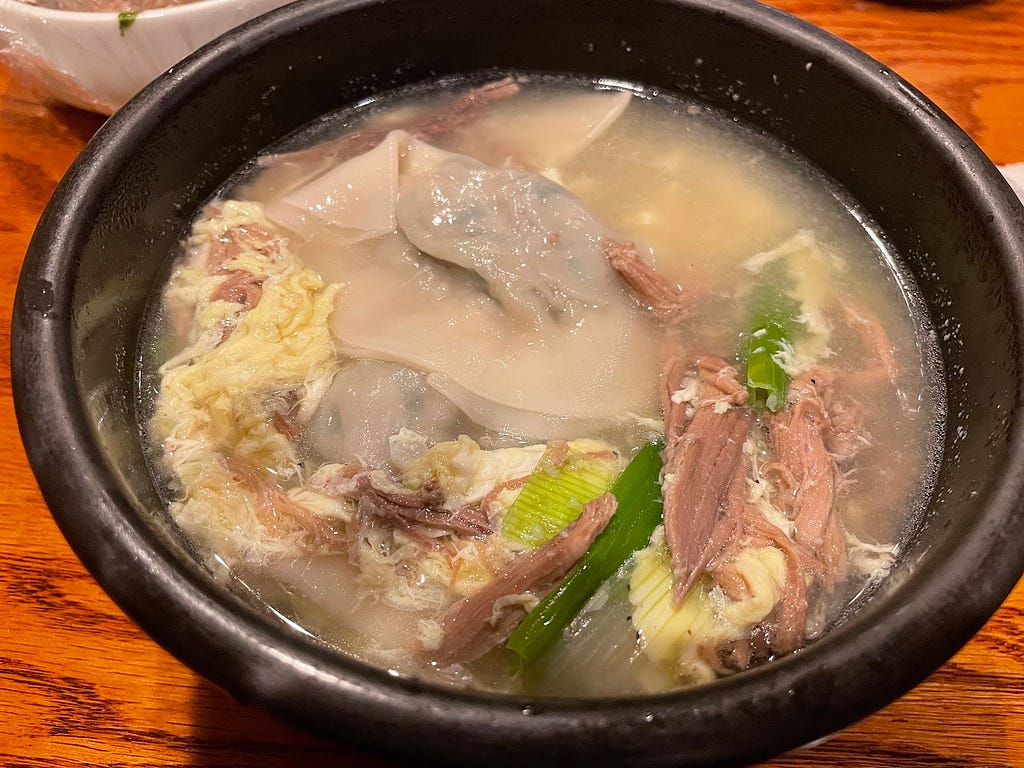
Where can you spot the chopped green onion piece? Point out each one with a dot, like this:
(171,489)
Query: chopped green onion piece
(554,496)
(770,336)
(666,628)
(125,20)
(639,512)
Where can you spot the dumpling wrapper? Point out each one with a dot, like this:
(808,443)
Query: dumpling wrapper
(355,200)
(548,133)
(515,315)
(368,402)
(540,251)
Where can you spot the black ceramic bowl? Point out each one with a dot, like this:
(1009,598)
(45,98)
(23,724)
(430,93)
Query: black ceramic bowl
(123,207)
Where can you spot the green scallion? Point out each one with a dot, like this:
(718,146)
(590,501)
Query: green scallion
(125,20)
(554,496)
(639,511)
(769,337)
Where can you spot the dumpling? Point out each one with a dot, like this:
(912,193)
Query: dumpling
(492,281)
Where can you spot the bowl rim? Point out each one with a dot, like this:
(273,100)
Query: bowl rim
(51,415)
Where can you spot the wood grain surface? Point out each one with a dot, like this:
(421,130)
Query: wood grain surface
(81,685)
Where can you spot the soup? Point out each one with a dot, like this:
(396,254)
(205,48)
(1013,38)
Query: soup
(488,385)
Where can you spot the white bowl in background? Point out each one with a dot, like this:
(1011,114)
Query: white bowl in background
(98,60)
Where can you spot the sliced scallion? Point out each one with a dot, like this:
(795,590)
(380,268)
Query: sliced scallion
(639,511)
(769,338)
(554,496)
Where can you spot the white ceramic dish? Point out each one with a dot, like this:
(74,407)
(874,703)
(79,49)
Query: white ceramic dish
(96,60)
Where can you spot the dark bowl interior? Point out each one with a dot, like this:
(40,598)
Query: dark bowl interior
(104,241)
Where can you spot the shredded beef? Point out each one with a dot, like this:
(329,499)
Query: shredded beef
(237,239)
(425,507)
(806,474)
(278,512)
(701,460)
(742,527)
(475,624)
(461,111)
(666,300)
(377,497)
(240,287)
(807,437)
(677,417)
(876,344)
(284,409)
(464,109)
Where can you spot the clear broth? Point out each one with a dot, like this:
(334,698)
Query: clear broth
(704,194)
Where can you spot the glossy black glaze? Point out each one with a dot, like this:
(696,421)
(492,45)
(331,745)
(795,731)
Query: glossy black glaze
(103,242)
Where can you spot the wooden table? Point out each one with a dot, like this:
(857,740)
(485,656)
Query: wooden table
(81,685)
